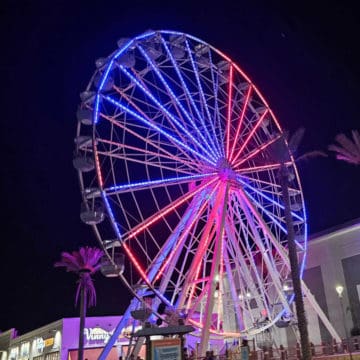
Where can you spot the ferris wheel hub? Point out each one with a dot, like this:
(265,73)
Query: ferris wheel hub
(226,173)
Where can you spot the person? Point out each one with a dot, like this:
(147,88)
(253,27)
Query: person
(245,350)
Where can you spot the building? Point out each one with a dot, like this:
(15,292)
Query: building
(333,259)
(59,340)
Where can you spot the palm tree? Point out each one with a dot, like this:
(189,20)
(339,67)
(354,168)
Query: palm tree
(279,152)
(347,150)
(85,263)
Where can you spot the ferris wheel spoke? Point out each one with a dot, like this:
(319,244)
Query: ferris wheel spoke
(169,115)
(229,113)
(240,121)
(148,140)
(164,211)
(203,246)
(275,189)
(200,202)
(277,245)
(171,93)
(242,271)
(155,162)
(216,134)
(274,242)
(202,96)
(151,184)
(268,213)
(216,116)
(188,95)
(175,241)
(256,151)
(265,256)
(257,292)
(256,169)
(234,294)
(268,198)
(174,98)
(250,135)
(157,128)
(179,129)
(155,159)
(157,107)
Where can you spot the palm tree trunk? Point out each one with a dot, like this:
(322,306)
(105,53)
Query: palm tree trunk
(294,266)
(83,307)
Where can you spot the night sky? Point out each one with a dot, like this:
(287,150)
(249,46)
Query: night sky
(304,57)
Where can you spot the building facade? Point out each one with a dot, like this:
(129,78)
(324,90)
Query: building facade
(59,340)
(333,259)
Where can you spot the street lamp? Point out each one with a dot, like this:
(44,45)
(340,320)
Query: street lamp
(340,289)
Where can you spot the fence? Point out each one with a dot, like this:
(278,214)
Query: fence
(335,351)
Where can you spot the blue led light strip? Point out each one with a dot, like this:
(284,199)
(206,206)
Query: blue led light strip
(148,184)
(191,211)
(157,128)
(98,94)
(267,198)
(171,116)
(201,92)
(268,213)
(189,96)
(174,97)
(111,214)
(216,108)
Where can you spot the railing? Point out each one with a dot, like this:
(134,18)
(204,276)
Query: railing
(344,350)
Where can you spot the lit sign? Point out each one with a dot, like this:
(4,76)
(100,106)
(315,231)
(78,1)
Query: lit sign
(49,342)
(97,335)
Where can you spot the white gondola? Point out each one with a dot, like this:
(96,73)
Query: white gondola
(83,163)
(84,116)
(114,266)
(93,213)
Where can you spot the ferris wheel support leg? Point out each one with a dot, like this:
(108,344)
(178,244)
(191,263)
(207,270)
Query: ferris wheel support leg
(320,312)
(204,343)
(118,329)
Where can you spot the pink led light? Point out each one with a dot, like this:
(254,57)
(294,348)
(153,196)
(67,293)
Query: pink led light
(167,210)
(251,134)
(240,121)
(229,112)
(262,168)
(136,263)
(254,153)
(172,254)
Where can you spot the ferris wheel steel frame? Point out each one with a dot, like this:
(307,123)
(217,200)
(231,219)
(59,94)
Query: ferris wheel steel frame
(198,132)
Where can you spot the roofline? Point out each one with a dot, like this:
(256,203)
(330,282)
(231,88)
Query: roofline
(335,231)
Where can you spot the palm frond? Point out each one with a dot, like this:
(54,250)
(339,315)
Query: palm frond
(347,150)
(311,154)
(295,139)
(84,262)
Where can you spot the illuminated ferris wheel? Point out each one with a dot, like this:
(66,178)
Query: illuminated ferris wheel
(173,153)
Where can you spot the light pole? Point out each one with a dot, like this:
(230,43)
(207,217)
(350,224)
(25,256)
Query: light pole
(340,289)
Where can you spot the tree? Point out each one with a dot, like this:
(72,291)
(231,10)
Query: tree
(85,263)
(279,152)
(347,150)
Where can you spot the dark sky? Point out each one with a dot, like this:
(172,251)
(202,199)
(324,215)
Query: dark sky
(303,56)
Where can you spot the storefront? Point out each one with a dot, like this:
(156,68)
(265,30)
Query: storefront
(59,340)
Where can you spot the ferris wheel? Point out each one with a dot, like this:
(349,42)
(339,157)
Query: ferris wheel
(173,151)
